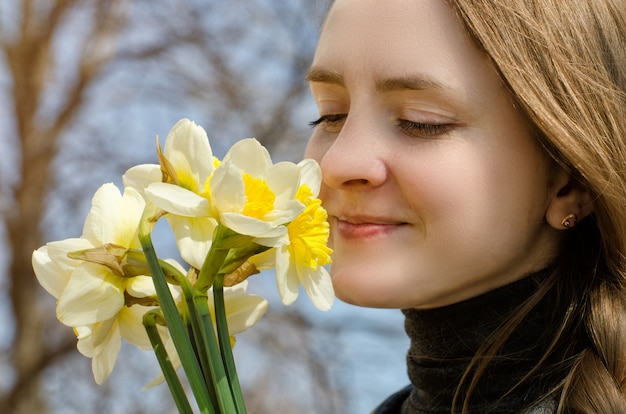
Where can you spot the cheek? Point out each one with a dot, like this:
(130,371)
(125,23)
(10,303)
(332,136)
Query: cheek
(438,184)
(316,148)
(465,197)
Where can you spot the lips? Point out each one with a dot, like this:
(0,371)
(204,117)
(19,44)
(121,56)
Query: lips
(365,227)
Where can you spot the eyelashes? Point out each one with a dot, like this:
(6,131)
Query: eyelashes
(421,129)
(333,123)
(328,119)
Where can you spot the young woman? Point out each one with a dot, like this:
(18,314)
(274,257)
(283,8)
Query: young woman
(474,163)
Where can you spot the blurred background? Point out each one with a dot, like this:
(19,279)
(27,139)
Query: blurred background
(85,86)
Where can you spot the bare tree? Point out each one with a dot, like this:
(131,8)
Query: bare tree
(30,56)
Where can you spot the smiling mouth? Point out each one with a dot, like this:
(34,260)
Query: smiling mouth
(365,229)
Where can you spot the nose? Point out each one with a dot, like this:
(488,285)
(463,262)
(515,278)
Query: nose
(355,159)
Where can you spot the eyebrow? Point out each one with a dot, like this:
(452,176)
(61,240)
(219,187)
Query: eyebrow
(417,83)
(321,75)
(414,83)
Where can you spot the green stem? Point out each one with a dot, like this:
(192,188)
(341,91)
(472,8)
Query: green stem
(203,350)
(176,328)
(173,382)
(224,240)
(225,346)
(195,331)
(210,267)
(202,321)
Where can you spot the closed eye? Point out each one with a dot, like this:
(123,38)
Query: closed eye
(419,129)
(328,119)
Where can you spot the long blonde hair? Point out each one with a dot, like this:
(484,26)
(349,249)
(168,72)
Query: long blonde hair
(565,65)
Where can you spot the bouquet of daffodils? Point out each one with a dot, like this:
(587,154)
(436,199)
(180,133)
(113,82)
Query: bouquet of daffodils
(231,219)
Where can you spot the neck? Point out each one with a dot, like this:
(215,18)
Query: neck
(445,341)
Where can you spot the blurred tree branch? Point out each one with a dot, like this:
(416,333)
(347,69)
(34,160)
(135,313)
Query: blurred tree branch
(239,64)
(29,57)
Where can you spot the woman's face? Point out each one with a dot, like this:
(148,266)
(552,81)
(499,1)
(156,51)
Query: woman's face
(435,188)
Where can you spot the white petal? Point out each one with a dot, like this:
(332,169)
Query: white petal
(283,178)
(114,218)
(58,252)
(265,260)
(131,326)
(100,331)
(50,275)
(287,212)
(140,176)
(227,189)
(177,200)
(319,288)
(251,226)
(286,278)
(243,311)
(278,241)
(92,295)
(187,148)
(84,335)
(193,237)
(104,210)
(311,175)
(250,156)
(105,355)
(141,287)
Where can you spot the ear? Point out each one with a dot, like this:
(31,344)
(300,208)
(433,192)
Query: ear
(570,203)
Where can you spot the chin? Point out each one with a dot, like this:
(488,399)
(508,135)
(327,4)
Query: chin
(365,289)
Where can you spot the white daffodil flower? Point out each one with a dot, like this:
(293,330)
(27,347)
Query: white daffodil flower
(180,186)
(84,275)
(186,161)
(252,196)
(186,165)
(95,292)
(301,260)
(92,291)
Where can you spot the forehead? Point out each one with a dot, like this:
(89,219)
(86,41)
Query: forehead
(370,40)
(374,29)
(375,23)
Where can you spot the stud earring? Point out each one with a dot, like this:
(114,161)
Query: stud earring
(569,220)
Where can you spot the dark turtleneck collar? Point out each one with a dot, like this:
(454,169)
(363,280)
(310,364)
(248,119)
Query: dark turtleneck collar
(444,340)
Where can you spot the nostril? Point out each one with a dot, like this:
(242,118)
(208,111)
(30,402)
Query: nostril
(357,181)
